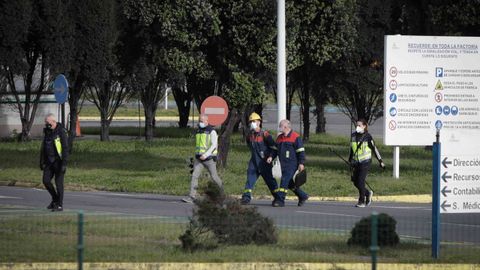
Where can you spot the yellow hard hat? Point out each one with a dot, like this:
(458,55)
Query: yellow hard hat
(254,116)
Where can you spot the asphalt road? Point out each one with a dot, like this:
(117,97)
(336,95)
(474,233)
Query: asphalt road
(414,220)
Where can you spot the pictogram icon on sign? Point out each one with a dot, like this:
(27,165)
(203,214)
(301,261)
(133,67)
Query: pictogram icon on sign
(393,84)
(216,108)
(393,97)
(438,110)
(438,86)
(393,71)
(454,110)
(438,97)
(392,125)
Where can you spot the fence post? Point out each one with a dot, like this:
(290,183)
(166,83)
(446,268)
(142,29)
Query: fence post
(374,244)
(80,246)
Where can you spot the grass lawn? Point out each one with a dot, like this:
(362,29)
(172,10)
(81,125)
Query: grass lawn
(161,167)
(124,111)
(47,237)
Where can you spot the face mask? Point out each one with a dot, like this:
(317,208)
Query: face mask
(48,126)
(202,125)
(360,130)
(253,125)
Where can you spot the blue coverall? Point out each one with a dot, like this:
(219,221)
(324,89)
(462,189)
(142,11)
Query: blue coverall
(261,144)
(291,153)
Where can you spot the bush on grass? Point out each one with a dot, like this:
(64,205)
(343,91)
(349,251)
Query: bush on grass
(221,220)
(361,233)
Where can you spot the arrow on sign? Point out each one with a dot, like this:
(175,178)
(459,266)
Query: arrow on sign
(445,191)
(445,162)
(445,177)
(445,205)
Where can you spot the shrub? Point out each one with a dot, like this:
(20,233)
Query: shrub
(387,236)
(218,219)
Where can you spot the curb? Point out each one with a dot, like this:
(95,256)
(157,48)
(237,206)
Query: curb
(225,266)
(133,118)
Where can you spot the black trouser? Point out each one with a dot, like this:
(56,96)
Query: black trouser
(359,177)
(51,170)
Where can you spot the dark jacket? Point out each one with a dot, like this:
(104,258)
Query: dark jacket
(261,144)
(362,139)
(290,150)
(49,137)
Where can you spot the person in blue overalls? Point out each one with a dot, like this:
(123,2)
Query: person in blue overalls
(291,154)
(260,143)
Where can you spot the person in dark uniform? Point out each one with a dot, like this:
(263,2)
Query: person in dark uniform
(260,143)
(53,160)
(291,154)
(362,145)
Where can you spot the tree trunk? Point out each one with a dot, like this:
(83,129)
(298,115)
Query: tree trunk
(306,107)
(183,100)
(149,125)
(224,138)
(105,127)
(321,120)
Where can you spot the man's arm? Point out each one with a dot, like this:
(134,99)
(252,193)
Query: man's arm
(300,151)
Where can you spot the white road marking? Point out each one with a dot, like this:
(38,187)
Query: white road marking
(403,207)
(327,214)
(8,197)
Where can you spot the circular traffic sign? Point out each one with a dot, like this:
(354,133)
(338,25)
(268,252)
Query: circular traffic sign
(216,108)
(60,89)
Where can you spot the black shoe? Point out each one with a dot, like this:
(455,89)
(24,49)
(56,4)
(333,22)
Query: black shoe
(302,201)
(57,208)
(278,203)
(245,201)
(51,206)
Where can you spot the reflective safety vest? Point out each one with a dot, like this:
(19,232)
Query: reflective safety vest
(363,153)
(58,146)
(203,141)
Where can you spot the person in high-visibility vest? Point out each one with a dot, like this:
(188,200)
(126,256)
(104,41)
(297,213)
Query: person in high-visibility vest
(206,141)
(260,143)
(53,160)
(291,154)
(361,147)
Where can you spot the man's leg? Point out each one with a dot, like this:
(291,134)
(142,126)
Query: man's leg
(270,181)
(59,178)
(287,175)
(212,169)
(197,170)
(302,196)
(252,176)
(48,173)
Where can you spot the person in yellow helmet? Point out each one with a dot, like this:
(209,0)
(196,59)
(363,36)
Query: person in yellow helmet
(260,143)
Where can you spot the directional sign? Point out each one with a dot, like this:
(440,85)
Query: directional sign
(216,108)
(460,173)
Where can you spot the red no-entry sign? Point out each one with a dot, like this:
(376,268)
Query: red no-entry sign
(216,108)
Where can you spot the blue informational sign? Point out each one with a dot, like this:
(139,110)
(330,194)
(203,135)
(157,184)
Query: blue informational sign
(454,110)
(438,110)
(446,110)
(438,124)
(393,111)
(438,72)
(60,89)
(393,97)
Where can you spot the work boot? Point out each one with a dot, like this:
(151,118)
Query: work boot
(278,203)
(360,205)
(57,208)
(301,201)
(51,205)
(368,198)
(245,200)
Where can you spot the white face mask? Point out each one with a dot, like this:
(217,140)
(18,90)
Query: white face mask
(202,125)
(360,130)
(253,125)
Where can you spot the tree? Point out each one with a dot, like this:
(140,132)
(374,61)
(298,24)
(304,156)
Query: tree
(32,47)
(110,92)
(323,32)
(170,34)
(90,23)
